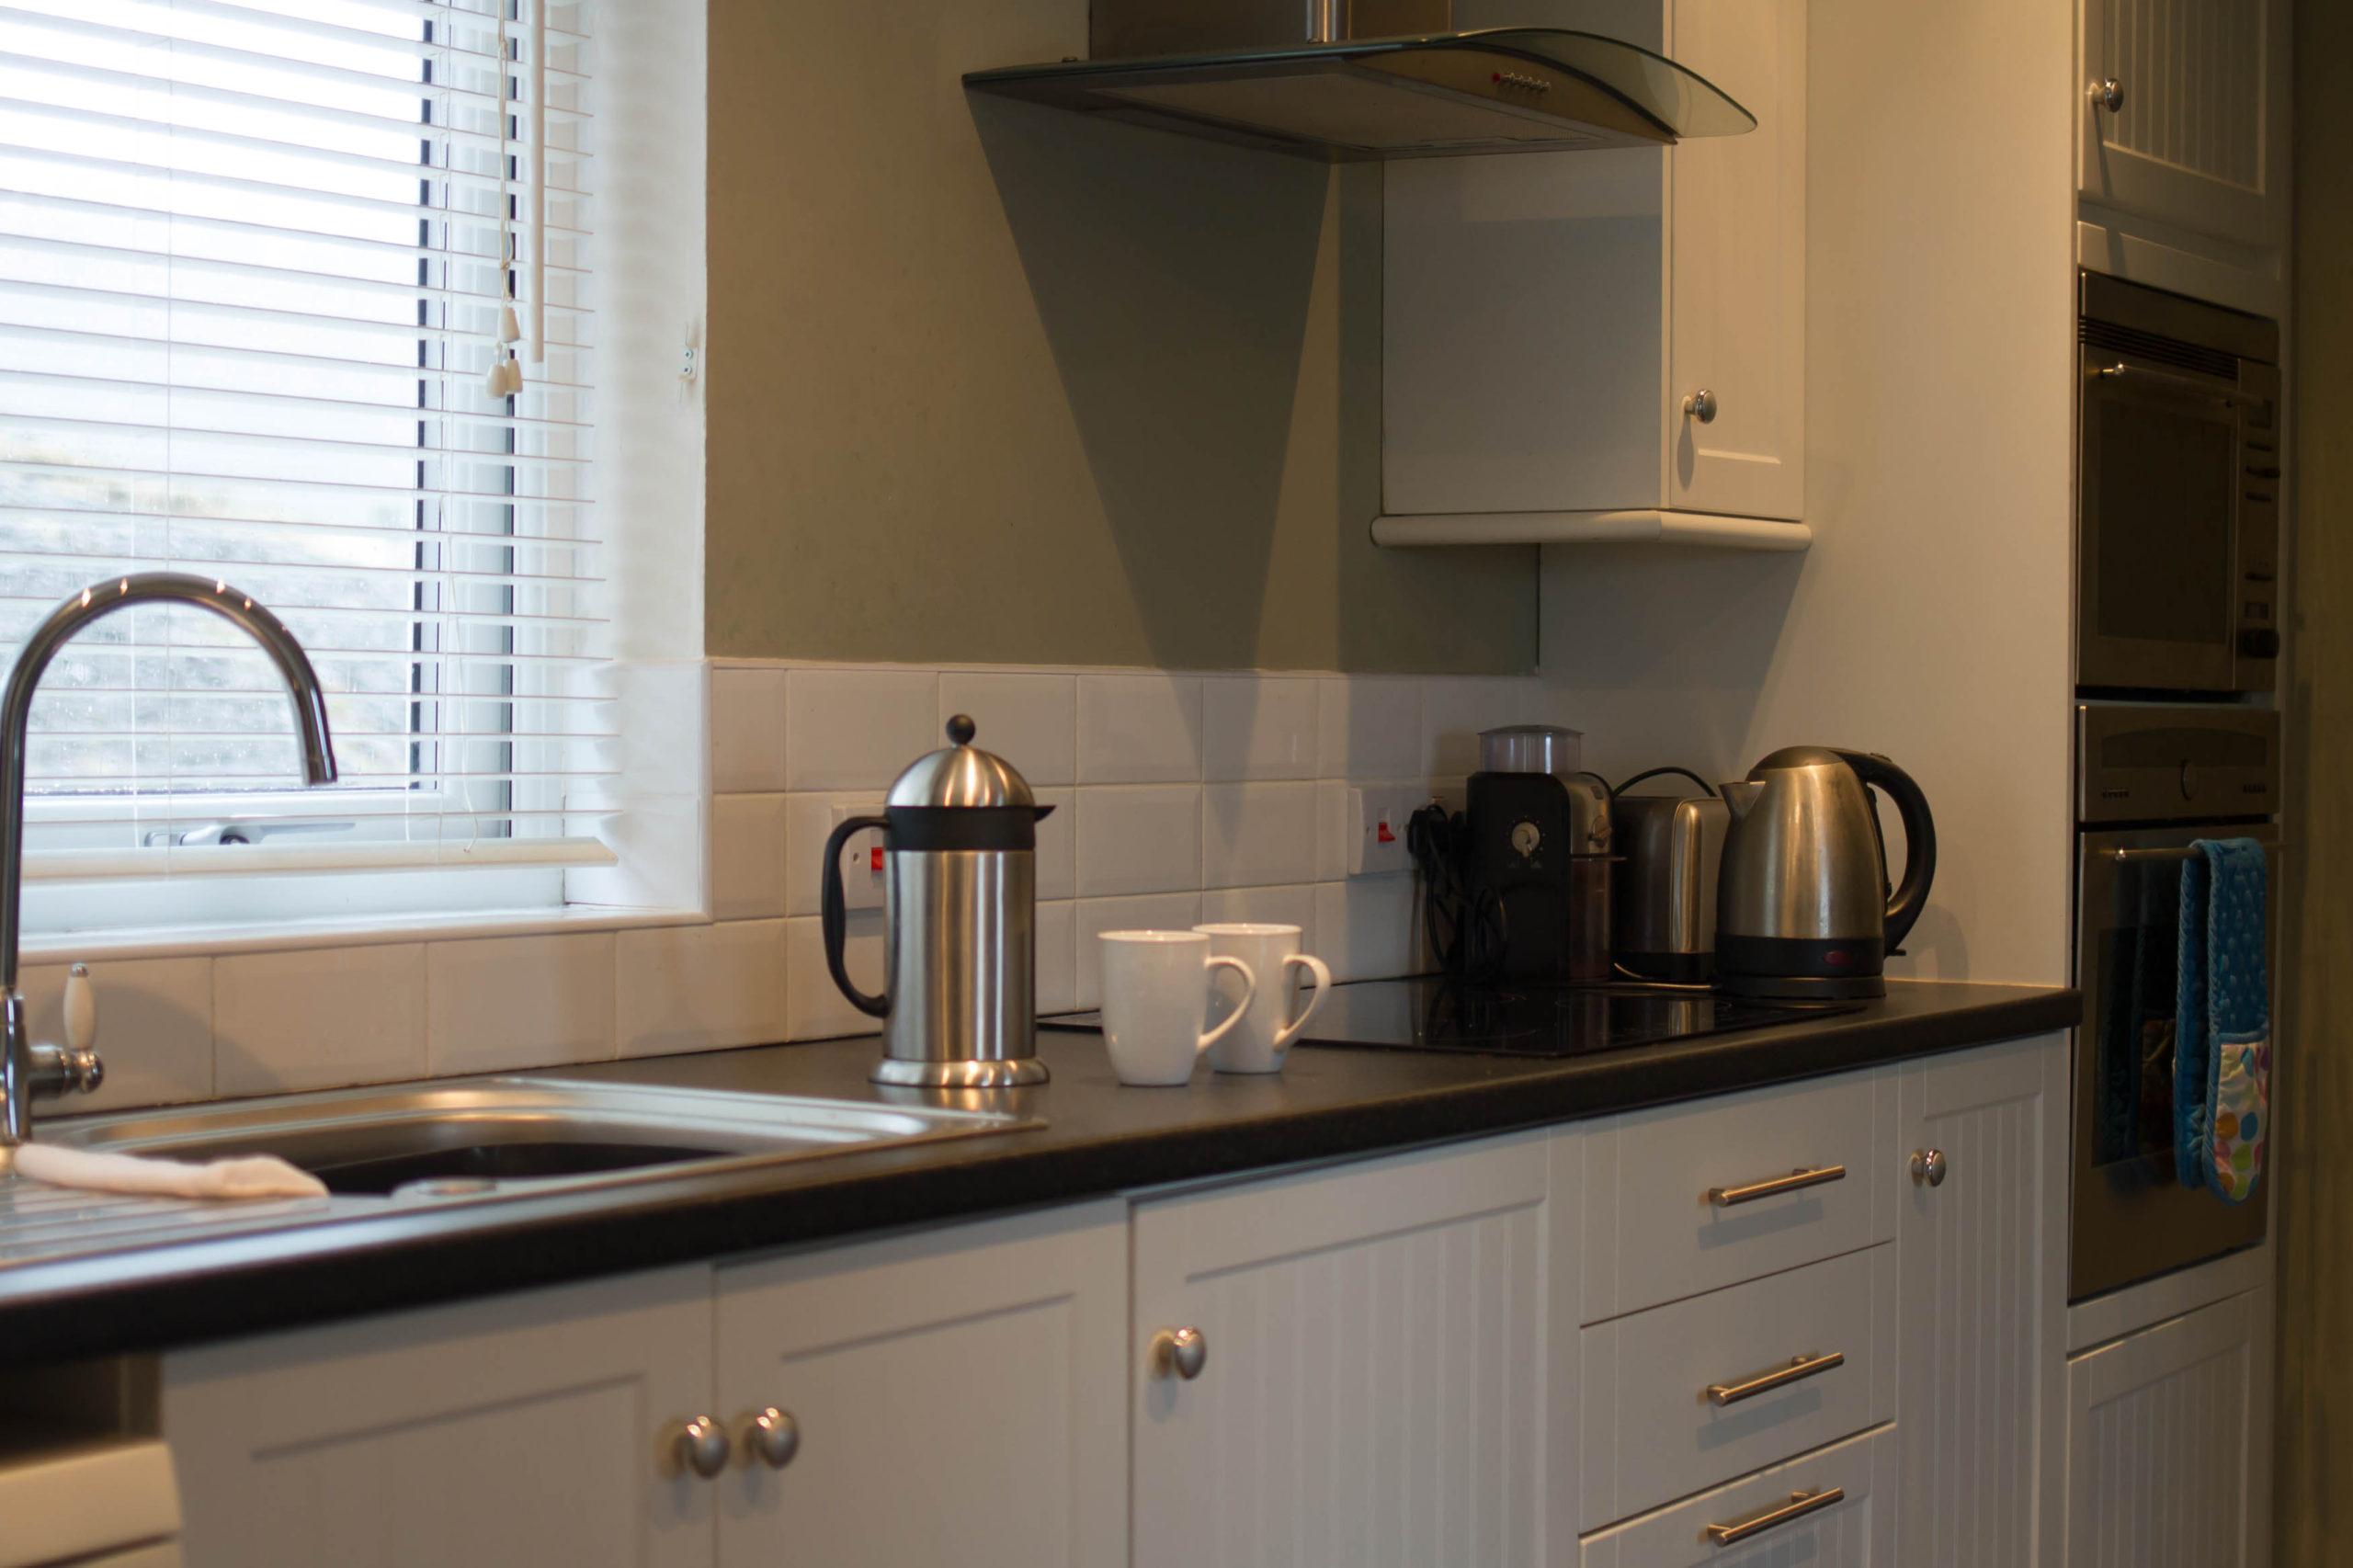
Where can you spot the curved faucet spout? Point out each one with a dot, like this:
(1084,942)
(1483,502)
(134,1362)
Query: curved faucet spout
(16,1059)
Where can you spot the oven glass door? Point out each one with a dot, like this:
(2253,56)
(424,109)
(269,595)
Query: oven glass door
(2133,1218)
(2160,488)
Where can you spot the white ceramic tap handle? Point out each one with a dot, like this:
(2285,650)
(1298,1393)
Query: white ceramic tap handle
(81,1009)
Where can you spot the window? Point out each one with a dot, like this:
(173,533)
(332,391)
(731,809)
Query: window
(257,260)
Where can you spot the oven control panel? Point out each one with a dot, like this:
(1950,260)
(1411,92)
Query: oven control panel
(2137,763)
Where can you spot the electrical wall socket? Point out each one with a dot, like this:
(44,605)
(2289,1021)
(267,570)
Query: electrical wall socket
(1377,816)
(862,858)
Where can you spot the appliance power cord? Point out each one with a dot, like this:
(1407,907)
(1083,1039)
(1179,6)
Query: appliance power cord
(1465,929)
(1661,772)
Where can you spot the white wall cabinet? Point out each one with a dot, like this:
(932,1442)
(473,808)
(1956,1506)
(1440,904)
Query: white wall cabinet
(2200,137)
(2169,1443)
(961,1397)
(1548,317)
(1374,1390)
(1983,1308)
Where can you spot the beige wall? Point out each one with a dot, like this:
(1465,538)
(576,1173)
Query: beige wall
(990,382)
(2315,1213)
(1931,619)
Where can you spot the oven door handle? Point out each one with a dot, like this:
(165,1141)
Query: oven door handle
(2136,374)
(2183,852)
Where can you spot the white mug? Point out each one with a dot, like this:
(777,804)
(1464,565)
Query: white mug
(1155,999)
(1257,1046)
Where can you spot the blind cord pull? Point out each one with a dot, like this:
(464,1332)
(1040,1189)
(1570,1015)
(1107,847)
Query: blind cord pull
(538,181)
(505,375)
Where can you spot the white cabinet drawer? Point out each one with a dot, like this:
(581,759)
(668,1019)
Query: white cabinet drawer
(1855,1531)
(1652,1233)
(1652,1431)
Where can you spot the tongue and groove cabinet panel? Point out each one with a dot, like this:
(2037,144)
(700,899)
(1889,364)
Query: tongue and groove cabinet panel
(2199,134)
(2169,1443)
(1374,1385)
(1982,1320)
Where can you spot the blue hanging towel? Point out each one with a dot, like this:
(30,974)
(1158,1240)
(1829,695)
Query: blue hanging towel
(2223,1044)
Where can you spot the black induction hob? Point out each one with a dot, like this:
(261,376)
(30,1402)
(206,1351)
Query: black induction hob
(1431,1012)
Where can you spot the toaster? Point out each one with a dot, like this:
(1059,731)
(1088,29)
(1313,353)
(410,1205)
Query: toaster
(1663,888)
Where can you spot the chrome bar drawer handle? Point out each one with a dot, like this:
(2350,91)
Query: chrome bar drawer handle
(1799,1505)
(1726,1197)
(1800,1368)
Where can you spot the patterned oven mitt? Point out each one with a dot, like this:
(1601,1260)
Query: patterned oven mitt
(2223,1058)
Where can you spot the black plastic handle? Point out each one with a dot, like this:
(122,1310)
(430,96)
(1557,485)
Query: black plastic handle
(834,911)
(1911,895)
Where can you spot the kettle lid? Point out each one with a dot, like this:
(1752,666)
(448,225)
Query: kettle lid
(1796,756)
(960,774)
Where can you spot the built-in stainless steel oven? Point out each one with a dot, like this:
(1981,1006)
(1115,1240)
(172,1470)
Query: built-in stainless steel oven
(2178,483)
(2151,780)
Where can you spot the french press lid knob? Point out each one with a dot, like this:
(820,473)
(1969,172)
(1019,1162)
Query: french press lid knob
(960,774)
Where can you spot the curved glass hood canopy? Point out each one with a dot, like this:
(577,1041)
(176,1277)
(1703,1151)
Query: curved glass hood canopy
(1436,95)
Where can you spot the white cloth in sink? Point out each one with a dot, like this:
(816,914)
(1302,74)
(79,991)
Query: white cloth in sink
(247,1176)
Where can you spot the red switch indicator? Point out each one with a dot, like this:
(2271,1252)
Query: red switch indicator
(874,859)
(1382,835)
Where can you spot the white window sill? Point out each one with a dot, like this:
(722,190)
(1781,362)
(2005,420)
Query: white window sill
(162,942)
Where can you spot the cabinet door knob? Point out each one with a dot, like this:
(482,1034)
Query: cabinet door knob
(699,1445)
(2109,95)
(771,1436)
(1928,1168)
(1182,1351)
(1701,406)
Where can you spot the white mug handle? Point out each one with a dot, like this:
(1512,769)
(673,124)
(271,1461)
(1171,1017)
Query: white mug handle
(1322,973)
(1249,990)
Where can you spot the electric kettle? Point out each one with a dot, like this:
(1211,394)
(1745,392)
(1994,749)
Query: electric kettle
(1802,906)
(959,902)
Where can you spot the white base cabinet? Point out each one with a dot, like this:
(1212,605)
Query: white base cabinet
(1374,1390)
(1585,1345)
(1983,1318)
(520,1430)
(960,1396)
(1855,1530)
(2169,1443)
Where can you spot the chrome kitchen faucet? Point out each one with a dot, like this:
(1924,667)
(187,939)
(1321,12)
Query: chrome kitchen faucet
(29,1071)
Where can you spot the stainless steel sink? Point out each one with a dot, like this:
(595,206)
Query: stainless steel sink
(468,1137)
(463,1141)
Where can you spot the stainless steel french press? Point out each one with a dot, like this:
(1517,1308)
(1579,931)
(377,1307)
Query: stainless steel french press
(959,901)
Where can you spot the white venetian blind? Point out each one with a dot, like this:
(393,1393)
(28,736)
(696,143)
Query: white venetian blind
(253,260)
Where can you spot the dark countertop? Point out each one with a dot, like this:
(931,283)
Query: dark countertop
(1098,1139)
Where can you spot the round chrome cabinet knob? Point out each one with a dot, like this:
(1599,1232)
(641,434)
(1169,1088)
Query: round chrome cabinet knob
(1701,406)
(1928,1168)
(2109,95)
(699,1445)
(772,1437)
(1181,1351)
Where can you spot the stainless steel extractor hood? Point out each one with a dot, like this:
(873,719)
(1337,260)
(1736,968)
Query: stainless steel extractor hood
(1306,77)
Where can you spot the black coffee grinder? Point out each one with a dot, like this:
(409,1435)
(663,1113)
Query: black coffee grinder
(1536,857)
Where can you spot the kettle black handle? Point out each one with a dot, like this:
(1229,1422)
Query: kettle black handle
(835,911)
(1919,839)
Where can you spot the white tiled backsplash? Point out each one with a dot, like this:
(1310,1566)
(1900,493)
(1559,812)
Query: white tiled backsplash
(1179,798)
